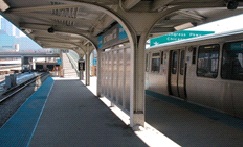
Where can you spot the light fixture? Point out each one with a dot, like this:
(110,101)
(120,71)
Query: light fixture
(3,6)
(28,31)
(50,30)
(232,4)
(185,26)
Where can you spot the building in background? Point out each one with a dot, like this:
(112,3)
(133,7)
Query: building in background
(7,27)
(6,42)
(11,37)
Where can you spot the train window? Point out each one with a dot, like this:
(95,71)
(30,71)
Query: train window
(207,63)
(49,67)
(39,67)
(174,62)
(155,54)
(182,62)
(155,62)
(232,63)
(161,57)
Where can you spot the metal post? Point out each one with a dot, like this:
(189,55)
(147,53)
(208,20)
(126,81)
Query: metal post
(87,69)
(137,97)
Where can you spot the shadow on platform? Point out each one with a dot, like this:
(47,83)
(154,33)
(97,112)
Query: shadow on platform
(191,125)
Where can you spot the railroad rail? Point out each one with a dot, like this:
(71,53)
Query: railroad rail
(11,92)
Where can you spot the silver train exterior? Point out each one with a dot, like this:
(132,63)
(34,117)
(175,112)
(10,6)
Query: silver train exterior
(207,71)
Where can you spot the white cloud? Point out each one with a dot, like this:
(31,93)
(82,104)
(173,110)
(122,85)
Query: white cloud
(228,24)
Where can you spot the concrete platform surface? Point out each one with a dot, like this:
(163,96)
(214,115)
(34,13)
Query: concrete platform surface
(191,125)
(73,116)
(174,122)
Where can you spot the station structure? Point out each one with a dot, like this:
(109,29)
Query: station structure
(26,61)
(118,30)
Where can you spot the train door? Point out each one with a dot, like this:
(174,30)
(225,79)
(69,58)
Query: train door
(177,73)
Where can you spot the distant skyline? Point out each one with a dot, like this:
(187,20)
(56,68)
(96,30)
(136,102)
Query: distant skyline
(10,29)
(13,39)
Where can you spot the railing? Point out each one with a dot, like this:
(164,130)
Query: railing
(74,55)
(73,63)
(10,66)
(33,54)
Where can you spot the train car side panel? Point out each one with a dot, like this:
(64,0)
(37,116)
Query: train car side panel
(237,98)
(157,76)
(207,71)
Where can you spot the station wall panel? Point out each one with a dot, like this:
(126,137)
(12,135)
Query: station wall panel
(115,70)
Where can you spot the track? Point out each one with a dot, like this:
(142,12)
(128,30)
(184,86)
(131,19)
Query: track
(23,80)
(15,99)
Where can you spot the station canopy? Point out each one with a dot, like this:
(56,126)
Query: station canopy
(70,24)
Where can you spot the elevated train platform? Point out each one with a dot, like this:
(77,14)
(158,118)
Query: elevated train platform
(193,125)
(64,112)
(67,114)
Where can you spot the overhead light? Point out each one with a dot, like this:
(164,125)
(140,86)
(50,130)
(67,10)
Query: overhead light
(185,26)
(50,30)
(3,6)
(232,4)
(28,31)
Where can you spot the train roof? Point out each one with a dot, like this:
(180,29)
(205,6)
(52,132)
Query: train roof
(206,37)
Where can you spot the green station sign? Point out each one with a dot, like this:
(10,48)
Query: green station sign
(178,35)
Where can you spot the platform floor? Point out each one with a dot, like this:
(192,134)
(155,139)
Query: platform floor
(190,125)
(71,115)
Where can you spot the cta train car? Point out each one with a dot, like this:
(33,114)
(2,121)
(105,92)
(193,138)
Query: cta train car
(206,70)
